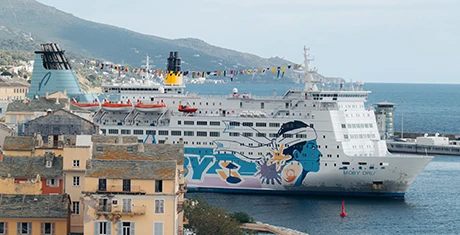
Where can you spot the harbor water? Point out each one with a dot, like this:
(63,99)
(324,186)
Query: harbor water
(431,204)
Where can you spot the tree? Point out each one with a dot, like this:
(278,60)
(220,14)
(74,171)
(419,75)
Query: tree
(242,217)
(205,219)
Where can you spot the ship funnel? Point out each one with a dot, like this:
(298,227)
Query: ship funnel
(52,72)
(174,75)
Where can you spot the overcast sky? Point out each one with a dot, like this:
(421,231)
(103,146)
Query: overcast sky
(412,41)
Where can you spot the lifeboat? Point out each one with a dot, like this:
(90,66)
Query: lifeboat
(186,108)
(159,107)
(117,107)
(87,106)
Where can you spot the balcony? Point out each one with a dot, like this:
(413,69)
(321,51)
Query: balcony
(119,189)
(118,210)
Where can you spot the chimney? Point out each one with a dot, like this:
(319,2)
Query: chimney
(46,95)
(57,100)
(1,157)
(65,92)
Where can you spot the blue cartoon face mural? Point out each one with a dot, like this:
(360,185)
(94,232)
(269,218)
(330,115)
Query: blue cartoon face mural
(250,158)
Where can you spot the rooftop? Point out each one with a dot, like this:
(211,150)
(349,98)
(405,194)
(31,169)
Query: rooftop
(42,104)
(60,122)
(30,167)
(34,206)
(13,83)
(131,169)
(139,152)
(21,143)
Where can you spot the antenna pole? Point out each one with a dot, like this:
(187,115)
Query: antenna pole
(402,120)
(309,84)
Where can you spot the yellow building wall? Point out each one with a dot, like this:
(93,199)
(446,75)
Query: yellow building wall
(76,220)
(143,223)
(13,92)
(41,151)
(75,153)
(8,186)
(16,153)
(19,117)
(60,225)
(147,186)
(69,155)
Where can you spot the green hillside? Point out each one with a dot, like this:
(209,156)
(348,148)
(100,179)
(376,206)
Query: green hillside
(29,19)
(24,24)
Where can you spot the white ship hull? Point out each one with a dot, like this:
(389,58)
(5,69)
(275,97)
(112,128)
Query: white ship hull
(309,170)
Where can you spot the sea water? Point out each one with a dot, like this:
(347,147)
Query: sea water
(431,205)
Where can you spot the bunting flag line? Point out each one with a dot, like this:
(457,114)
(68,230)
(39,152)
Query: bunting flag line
(278,70)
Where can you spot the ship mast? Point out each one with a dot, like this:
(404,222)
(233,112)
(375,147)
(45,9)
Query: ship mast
(147,75)
(310,84)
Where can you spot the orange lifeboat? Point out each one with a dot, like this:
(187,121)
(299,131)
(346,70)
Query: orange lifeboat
(87,106)
(150,107)
(117,106)
(187,109)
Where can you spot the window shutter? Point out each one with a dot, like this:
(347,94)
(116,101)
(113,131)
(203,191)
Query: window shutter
(5,227)
(29,228)
(42,228)
(19,227)
(119,229)
(53,227)
(109,228)
(96,228)
(131,230)
(158,228)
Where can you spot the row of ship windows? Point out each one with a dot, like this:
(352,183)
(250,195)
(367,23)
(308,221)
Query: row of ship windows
(358,115)
(359,136)
(358,125)
(351,106)
(162,132)
(198,133)
(338,95)
(216,123)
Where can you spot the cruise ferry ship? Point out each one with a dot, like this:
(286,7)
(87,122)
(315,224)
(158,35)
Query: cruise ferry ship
(307,141)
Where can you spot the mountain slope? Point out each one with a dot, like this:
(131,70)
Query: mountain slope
(28,19)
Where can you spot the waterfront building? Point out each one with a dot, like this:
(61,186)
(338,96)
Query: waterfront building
(132,186)
(65,134)
(31,174)
(11,90)
(75,151)
(59,122)
(21,111)
(34,214)
(19,146)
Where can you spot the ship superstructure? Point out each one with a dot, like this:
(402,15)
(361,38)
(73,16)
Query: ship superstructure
(307,141)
